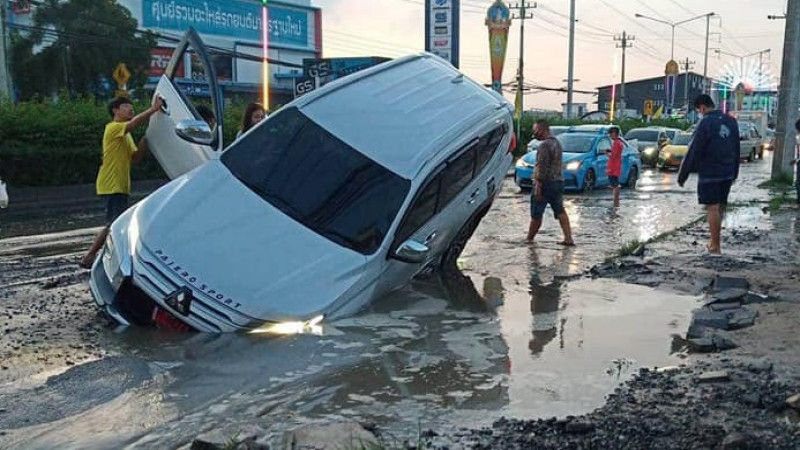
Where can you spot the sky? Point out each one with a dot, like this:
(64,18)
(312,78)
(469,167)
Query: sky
(740,27)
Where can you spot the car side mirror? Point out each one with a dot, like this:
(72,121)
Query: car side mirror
(412,251)
(195,131)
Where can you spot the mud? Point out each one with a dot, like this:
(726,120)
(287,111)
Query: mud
(526,332)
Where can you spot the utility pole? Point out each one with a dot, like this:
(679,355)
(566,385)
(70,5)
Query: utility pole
(788,92)
(705,57)
(522,15)
(571,66)
(5,75)
(687,65)
(624,43)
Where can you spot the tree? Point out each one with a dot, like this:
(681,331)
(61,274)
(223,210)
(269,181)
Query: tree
(75,45)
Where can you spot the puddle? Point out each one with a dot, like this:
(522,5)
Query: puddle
(515,336)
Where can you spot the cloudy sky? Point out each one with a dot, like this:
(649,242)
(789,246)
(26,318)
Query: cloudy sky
(396,27)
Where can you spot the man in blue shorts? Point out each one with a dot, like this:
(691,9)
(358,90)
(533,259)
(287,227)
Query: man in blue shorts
(548,184)
(714,155)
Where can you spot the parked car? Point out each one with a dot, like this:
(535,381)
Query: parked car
(673,153)
(672,133)
(336,199)
(767,142)
(584,161)
(750,141)
(649,141)
(555,130)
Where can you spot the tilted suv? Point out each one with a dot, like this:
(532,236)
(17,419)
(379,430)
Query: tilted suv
(334,200)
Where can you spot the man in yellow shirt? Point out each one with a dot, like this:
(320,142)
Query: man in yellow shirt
(119,151)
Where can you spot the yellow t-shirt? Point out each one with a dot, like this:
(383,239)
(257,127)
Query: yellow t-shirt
(114,176)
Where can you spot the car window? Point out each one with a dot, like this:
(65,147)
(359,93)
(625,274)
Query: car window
(682,139)
(642,135)
(457,175)
(555,131)
(603,145)
(576,142)
(488,145)
(422,209)
(318,180)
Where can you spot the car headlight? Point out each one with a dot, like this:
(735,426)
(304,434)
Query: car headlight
(649,151)
(573,165)
(667,155)
(112,264)
(522,163)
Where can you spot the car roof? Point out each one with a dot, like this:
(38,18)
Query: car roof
(402,113)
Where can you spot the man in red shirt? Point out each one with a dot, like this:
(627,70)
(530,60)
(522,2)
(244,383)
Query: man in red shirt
(614,166)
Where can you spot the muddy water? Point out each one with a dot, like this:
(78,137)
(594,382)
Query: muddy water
(515,335)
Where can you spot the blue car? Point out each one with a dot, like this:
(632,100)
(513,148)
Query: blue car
(584,160)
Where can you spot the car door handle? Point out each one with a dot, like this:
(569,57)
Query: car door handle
(430,238)
(473,196)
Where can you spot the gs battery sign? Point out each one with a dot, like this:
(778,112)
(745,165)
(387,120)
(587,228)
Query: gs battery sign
(304,85)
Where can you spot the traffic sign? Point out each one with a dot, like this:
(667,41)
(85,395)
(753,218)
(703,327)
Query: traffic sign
(648,107)
(121,74)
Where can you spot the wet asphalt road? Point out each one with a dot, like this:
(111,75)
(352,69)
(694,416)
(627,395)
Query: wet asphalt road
(514,336)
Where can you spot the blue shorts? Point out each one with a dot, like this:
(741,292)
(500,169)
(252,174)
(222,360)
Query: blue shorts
(116,204)
(714,192)
(613,181)
(553,193)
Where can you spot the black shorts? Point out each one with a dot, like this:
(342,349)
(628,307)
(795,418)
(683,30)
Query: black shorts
(613,181)
(116,204)
(553,193)
(714,192)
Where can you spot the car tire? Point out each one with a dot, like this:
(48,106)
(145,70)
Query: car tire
(633,177)
(751,156)
(589,181)
(449,262)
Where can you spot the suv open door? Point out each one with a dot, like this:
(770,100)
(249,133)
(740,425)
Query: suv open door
(179,139)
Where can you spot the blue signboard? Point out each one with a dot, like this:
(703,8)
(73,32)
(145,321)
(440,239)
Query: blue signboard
(230,18)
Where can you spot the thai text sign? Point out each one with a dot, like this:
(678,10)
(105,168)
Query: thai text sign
(232,18)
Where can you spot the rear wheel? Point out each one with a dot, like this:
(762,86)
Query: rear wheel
(449,261)
(589,181)
(633,177)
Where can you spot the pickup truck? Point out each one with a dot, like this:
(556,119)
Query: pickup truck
(750,141)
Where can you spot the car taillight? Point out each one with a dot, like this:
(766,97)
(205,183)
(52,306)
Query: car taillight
(513,144)
(166,321)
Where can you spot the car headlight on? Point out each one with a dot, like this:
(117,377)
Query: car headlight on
(573,165)
(649,151)
(667,155)
(112,264)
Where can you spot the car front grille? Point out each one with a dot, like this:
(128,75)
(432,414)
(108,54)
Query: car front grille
(206,312)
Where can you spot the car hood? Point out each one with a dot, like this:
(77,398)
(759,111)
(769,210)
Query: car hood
(566,157)
(676,149)
(641,145)
(238,244)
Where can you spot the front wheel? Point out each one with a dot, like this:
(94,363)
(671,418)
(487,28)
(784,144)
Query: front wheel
(633,177)
(589,181)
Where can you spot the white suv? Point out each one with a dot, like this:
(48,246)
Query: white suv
(336,199)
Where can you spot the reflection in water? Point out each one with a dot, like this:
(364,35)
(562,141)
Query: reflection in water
(647,221)
(545,299)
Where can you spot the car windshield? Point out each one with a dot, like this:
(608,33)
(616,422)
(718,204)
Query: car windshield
(642,135)
(318,180)
(555,131)
(682,139)
(576,142)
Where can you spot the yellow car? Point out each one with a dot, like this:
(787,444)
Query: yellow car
(672,154)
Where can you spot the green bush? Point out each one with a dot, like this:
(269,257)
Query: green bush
(53,143)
